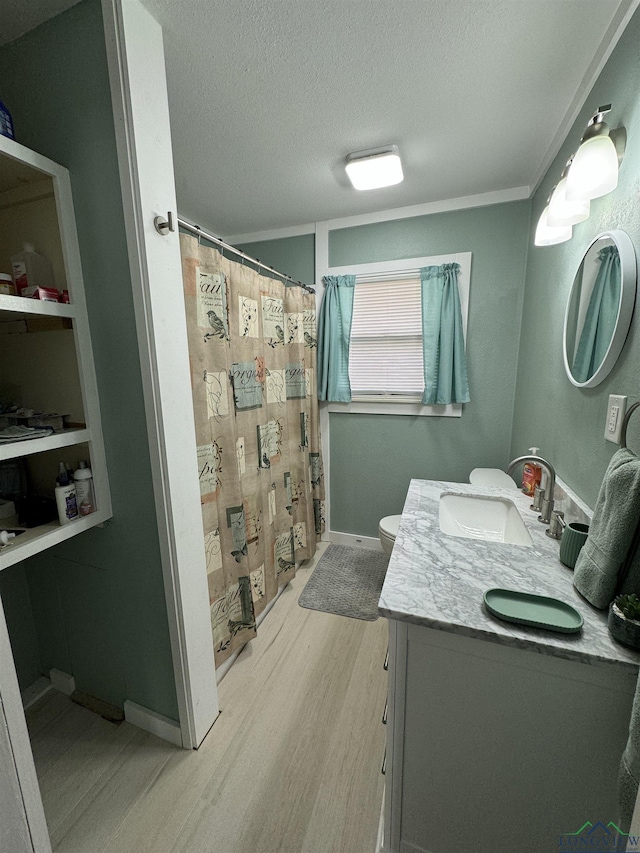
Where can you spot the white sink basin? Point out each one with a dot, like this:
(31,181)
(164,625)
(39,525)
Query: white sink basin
(482,517)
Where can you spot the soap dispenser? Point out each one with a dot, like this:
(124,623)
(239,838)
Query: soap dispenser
(531,474)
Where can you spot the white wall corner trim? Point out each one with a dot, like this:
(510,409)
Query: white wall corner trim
(152,722)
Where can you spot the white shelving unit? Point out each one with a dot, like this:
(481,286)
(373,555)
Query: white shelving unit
(36,206)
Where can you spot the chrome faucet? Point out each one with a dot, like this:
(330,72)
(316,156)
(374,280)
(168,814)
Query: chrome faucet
(546,507)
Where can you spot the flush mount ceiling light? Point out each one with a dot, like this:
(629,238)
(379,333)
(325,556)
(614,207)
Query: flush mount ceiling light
(594,171)
(547,235)
(375,168)
(564,212)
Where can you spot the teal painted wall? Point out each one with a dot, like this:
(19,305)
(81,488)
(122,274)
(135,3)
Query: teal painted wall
(14,591)
(294,256)
(98,600)
(373,457)
(567,423)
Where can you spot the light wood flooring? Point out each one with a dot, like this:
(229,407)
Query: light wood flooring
(292,765)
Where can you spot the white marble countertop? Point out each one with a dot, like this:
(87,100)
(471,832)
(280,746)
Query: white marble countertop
(438,580)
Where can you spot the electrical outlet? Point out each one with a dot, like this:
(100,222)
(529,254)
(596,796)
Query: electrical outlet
(615,415)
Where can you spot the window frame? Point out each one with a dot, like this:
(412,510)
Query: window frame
(400,405)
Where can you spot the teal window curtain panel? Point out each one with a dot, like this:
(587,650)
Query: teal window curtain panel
(445,362)
(334,332)
(601,317)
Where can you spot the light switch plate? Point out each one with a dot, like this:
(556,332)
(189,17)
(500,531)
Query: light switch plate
(615,415)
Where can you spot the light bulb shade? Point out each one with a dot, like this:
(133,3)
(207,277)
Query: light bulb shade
(377,170)
(594,171)
(546,235)
(563,212)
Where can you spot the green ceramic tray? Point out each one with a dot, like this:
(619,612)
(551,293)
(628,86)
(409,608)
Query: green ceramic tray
(523,608)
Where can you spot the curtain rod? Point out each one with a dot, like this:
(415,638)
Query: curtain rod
(195,229)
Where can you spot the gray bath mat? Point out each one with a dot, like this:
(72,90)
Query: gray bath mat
(347,581)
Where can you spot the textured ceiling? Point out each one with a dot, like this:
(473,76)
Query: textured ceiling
(267,97)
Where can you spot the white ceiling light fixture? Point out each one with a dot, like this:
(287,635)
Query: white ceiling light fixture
(547,235)
(375,168)
(594,171)
(562,211)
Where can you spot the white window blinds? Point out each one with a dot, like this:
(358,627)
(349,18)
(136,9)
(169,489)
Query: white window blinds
(385,354)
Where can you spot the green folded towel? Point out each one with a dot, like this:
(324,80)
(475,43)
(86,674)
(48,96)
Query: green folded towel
(606,553)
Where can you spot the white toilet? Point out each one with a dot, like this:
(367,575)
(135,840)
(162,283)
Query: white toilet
(387,531)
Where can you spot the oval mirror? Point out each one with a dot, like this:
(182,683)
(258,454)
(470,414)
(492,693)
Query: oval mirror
(599,309)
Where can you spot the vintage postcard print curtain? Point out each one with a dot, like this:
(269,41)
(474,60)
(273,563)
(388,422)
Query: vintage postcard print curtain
(252,347)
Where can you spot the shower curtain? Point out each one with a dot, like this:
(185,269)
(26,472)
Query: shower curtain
(252,348)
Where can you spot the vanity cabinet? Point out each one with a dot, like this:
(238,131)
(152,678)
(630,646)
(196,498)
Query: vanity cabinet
(497,748)
(45,347)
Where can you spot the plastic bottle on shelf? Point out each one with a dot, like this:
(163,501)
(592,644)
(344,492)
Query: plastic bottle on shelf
(33,274)
(531,474)
(6,284)
(66,500)
(6,122)
(85,495)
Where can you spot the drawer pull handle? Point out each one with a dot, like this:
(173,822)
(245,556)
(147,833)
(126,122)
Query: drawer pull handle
(385,665)
(383,769)
(384,713)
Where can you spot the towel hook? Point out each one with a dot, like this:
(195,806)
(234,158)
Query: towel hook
(623,432)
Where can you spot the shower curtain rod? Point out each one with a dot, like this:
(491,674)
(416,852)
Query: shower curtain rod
(195,229)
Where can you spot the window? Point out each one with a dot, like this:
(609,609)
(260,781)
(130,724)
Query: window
(385,354)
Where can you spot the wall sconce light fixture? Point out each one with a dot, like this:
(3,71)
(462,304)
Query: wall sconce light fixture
(561,210)
(590,173)
(375,168)
(548,235)
(594,170)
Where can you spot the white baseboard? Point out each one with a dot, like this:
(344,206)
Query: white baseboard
(369,542)
(380,838)
(34,691)
(62,681)
(152,722)
(226,665)
(407,847)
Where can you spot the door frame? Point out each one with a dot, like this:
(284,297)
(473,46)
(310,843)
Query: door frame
(135,55)
(21,773)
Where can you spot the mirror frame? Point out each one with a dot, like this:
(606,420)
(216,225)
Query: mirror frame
(628,286)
